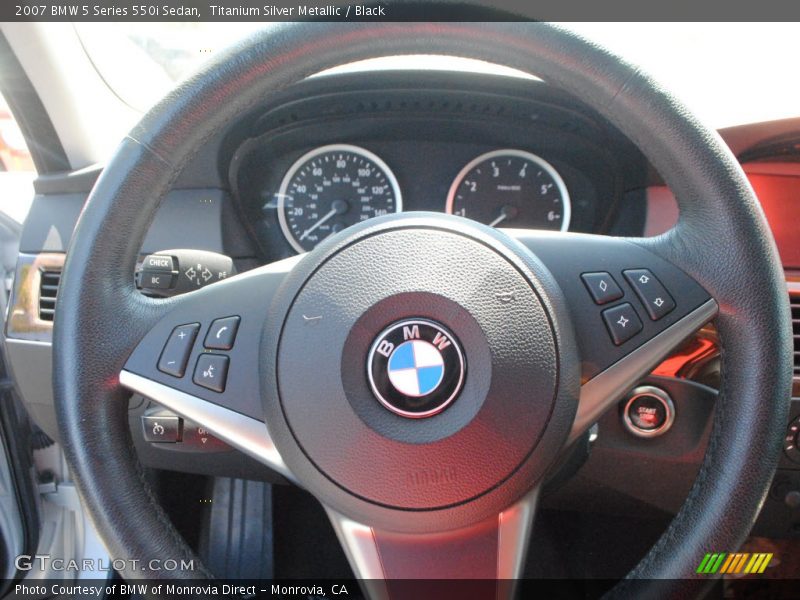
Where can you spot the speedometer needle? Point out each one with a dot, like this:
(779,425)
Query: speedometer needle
(322,221)
(339,207)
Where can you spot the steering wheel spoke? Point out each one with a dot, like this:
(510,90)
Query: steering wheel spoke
(401,565)
(630,309)
(200,360)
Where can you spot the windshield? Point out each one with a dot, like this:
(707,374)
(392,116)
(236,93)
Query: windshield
(728,73)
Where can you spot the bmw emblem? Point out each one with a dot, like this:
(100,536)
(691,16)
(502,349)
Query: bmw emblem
(416,368)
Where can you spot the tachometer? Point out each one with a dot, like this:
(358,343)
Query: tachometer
(333,187)
(511,188)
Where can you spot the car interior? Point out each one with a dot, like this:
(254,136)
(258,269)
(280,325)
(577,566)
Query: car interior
(389,303)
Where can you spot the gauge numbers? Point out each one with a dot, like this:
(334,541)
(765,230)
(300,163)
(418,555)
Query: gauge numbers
(511,188)
(331,188)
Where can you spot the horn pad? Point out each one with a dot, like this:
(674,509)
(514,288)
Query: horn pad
(419,367)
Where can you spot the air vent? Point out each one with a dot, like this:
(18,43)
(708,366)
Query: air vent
(48,290)
(795,302)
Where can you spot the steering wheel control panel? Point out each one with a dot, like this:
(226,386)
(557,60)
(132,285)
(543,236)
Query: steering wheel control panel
(622,321)
(621,295)
(211,369)
(173,272)
(160,426)
(167,440)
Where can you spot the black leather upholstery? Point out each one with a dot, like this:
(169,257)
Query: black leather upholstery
(721,239)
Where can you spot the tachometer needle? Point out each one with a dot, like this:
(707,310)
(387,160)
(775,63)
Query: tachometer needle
(507,212)
(499,219)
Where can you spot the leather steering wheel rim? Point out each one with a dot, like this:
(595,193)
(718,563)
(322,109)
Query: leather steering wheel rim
(721,240)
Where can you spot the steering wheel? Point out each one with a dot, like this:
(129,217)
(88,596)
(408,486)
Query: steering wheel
(439,480)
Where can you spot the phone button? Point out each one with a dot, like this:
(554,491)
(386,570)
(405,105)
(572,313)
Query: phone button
(222,333)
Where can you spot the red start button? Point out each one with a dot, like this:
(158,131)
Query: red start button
(648,412)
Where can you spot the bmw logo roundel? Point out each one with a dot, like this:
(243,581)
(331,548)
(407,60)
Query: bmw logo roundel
(415,368)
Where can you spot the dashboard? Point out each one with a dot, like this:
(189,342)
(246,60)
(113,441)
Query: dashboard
(337,149)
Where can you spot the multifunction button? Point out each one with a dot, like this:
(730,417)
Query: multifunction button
(161,428)
(653,295)
(222,333)
(158,273)
(177,349)
(156,280)
(211,371)
(197,438)
(602,287)
(172,272)
(158,262)
(622,322)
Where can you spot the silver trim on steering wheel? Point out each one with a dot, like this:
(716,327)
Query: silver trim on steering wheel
(244,433)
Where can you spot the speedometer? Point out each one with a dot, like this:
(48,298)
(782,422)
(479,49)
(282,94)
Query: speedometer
(511,188)
(331,188)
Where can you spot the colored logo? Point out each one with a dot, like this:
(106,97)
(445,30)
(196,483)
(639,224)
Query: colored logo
(734,563)
(416,368)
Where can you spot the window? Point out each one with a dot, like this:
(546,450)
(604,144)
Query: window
(16,167)
(14,155)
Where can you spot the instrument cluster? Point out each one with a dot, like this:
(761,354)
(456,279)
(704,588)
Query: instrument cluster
(337,185)
(324,189)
